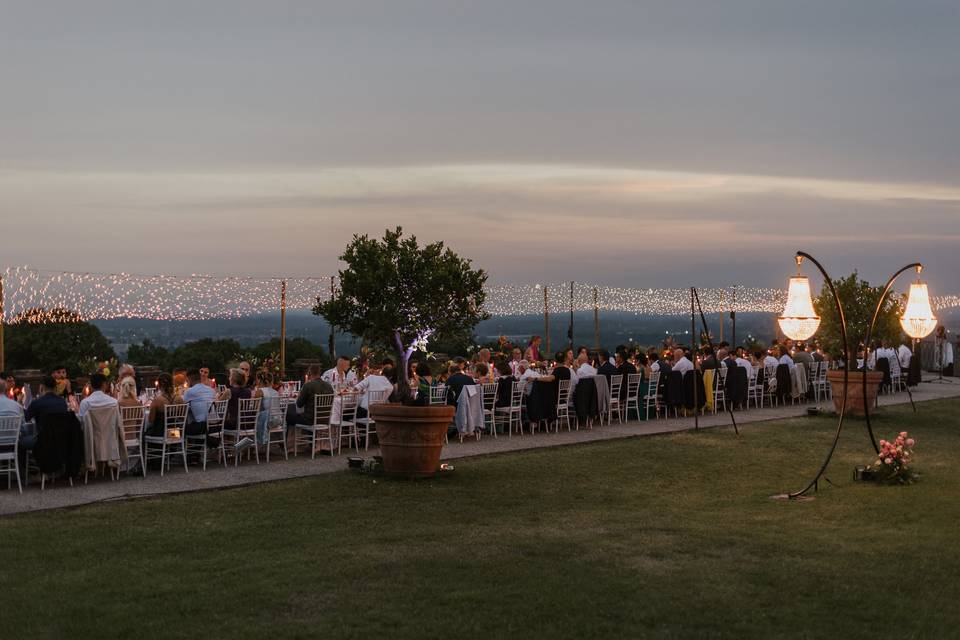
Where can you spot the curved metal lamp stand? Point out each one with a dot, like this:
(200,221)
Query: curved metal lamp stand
(866,348)
(706,331)
(846,373)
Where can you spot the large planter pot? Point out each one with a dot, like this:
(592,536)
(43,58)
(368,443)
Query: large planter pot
(411,438)
(854,390)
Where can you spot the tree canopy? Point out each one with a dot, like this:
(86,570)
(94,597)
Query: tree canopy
(859,300)
(395,293)
(69,342)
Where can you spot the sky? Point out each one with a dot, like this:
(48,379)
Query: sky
(642,144)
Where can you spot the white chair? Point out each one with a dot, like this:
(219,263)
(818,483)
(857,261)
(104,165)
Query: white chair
(770,392)
(347,425)
(719,388)
(438,394)
(513,413)
(489,390)
(132,421)
(755,389)
(896,375)
(277,425)
(632,400)
(246,427)
(172,441)
(319,427)
(563,404)
(215,417)
(651,399)
(366,426)
(613,399)
(9,442)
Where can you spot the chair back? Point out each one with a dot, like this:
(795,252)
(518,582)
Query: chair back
(377,396)
(563,393)
(278,410)
(322,406)
(653,386)
(438,394)
(615,383)
(216,414)
(247,411)
(348,407)
(175,420)
(132,420)
(516,395)
(633,384)
(9,433)
(489,390)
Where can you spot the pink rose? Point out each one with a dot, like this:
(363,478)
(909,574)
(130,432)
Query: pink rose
(911,442)
(888,461)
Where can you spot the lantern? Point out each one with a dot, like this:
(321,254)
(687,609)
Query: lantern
(918,320)
(799,321)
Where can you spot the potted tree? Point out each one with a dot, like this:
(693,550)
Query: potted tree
(396,294)
(859,301)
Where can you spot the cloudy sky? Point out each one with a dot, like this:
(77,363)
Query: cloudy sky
(625,143)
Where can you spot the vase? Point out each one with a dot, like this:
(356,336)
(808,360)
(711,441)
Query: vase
(411,438)
(854,390)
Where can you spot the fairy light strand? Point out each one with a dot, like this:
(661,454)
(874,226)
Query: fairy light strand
(43,296)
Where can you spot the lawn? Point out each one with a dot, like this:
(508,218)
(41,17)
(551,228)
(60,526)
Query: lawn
(671,536)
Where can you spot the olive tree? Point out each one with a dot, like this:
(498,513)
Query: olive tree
(396,294)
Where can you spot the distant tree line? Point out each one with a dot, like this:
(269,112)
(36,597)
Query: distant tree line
(220,354)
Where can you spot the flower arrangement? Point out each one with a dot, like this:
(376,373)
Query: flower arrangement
(894,462)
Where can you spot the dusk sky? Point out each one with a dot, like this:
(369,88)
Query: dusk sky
(624,143)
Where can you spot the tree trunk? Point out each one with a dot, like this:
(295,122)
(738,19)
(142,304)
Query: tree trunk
(403,357)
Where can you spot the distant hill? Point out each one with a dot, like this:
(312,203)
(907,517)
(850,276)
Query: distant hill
(615,328)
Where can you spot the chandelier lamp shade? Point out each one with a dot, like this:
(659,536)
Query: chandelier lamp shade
(918,320)
(799,321)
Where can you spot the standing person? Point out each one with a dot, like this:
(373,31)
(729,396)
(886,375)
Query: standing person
(945,354)
(533,350)
(340,376)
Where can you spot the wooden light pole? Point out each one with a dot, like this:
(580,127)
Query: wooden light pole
(331,341)
(546,319)
(2,361)
(283,328)
(596,320)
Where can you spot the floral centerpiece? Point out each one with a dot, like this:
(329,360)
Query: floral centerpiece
(894,462)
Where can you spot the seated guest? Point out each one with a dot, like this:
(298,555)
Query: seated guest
(9,408)
(767,360)
(481,373)
(785,357)
(424,384)
(50,401)
(904,355)
(746,364)
(657,363)
(505,386)
(156,419)
(199,396)
(527,373)
(128,393)
(377,380)
(205,378)
(99,398)
(584,368)
(680,362)
(248,379)
(268,396)
(709,359)
(515,357)
(607,368)
(237,391)
(726,359)
(802,355)
(456,381)
(301,412)
(62,388)
(340,375)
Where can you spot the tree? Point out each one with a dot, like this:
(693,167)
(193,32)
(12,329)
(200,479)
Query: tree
(33,341)
(396,294)
(214,354)
(859,301)
(149,353)
(297,349)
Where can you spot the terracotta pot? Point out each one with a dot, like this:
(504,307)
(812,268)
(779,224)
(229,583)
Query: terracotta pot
(411,438)
(854,390)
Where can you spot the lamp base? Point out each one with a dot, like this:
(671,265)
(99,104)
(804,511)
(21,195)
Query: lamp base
(786,497)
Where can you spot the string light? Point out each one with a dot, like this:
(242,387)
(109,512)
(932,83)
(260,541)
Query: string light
(37,296)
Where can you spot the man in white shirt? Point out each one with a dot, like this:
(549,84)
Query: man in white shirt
(341,374)
(375,380)
(199,396)
(903,355)
(9,408)
(786,359)
(99,397)
(526,373)
(680,362)
(770,361)
(746,364)
(585,369)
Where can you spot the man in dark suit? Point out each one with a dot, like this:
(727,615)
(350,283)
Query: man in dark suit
(709,359)
(607,368)
(456,382)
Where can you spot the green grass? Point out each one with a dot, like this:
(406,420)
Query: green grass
(671,536)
